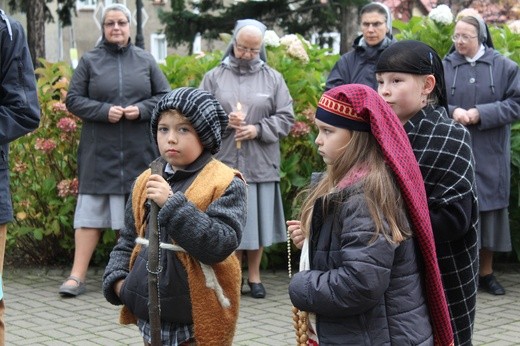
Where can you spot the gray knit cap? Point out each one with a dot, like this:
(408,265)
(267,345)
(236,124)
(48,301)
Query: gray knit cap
(202,110)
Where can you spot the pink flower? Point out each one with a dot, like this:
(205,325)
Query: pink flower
(45,145)
(309,113)
(68,187)
(300,129)
(25,204)
(67,124)
(59,107)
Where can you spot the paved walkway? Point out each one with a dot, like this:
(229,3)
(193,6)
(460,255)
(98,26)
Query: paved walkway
(37,315)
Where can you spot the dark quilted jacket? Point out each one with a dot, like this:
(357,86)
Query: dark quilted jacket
(363,292)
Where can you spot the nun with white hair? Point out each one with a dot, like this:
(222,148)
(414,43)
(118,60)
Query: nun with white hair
(483,89)
(113,90)
(260,114)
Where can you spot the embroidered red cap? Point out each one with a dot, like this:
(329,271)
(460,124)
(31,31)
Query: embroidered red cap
(335,109)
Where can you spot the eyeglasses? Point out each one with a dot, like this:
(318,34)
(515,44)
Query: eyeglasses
(462,38)
(247,50)
(120,24)
(367,25)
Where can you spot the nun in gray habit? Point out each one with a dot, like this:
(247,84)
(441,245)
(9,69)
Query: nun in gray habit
(244,82)
(484,86)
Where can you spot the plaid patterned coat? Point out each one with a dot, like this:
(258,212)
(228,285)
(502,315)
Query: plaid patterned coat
(443,150)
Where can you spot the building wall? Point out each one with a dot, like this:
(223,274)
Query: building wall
(85,31)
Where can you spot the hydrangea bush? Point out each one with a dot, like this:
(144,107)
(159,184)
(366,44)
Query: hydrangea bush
(44,181)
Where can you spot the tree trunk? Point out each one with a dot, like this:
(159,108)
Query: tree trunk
(36,29)
(349,26)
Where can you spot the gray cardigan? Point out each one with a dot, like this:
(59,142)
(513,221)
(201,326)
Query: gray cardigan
(363,292)
(492,85)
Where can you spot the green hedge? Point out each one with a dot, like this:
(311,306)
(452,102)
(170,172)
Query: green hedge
(43,164)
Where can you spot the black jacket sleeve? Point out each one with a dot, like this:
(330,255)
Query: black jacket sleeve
(451,222)
(19,106)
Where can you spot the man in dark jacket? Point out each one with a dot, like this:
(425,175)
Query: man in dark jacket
(19,114)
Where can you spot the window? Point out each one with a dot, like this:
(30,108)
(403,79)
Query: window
(86,4)
(159,47)
(330,40)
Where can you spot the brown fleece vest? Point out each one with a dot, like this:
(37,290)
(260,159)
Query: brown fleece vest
(213,324)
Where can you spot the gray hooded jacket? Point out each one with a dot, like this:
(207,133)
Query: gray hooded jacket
(269,107)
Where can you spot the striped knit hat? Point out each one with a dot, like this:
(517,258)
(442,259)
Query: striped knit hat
(356,106)
(202,110)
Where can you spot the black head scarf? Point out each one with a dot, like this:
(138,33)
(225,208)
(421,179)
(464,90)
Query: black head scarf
(416,58)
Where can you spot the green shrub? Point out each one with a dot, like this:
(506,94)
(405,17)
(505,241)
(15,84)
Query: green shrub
(44,181)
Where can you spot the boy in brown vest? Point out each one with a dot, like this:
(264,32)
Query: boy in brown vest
(202,213)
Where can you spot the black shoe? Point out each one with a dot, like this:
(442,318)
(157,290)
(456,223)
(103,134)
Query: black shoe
(257,289)
(490,284)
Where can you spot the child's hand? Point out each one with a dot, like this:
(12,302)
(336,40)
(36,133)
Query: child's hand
(117,287)
(295,232)
(158,189)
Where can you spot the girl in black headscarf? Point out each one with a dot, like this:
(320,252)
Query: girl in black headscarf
(411,79)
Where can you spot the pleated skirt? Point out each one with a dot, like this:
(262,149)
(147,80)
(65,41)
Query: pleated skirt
(265,217)
(494,230)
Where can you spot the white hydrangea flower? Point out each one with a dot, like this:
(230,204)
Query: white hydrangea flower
(271,39)
(441,14)
(309,45)
(288,39)
(514,26)
(297,51)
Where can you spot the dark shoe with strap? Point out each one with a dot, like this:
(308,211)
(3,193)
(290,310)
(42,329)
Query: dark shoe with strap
(73,290)
(490,284)
(257,289)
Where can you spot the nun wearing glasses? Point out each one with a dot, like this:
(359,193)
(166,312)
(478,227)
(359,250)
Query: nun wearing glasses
(260,114)
(483,89)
